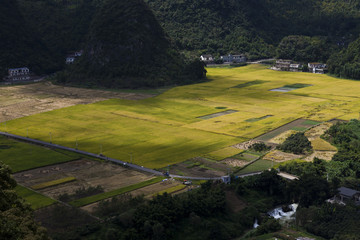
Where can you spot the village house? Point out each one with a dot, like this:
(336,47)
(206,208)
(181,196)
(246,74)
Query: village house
(346,195)
(72,57)
(295,67)
(18,74)
(233,58)
(282,65)
(317,68)
(207,58)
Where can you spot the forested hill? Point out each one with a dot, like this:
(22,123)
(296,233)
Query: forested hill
(127,47)
(254,27)
(47,30)
(20,45)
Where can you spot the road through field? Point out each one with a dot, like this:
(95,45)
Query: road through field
(123,163)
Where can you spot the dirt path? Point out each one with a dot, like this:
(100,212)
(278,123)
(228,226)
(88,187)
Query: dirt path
(25,100)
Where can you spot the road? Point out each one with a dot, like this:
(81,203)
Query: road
(123,163)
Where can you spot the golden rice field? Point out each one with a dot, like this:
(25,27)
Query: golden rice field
(166,129)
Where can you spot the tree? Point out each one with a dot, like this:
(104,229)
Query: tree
(297,143)
(16,219)
(313,190)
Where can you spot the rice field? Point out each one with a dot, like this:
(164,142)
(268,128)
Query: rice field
(23,156)
(166,129)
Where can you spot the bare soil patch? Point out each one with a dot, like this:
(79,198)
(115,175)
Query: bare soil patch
(279,139)
(279,156)
(87,173)
(245,145)
(317,131)
(219,114)
(25,100)
(235,162)
(324,155)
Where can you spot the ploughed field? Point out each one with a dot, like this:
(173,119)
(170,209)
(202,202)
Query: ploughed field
(183,123)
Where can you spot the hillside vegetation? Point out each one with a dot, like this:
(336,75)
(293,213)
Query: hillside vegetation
(20,45)
(128,48)
(254,27)
(125,46)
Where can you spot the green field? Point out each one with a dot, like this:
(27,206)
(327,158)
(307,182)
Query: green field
(53,183)
(22,156)
(36,200)
(167,129)
(259,165)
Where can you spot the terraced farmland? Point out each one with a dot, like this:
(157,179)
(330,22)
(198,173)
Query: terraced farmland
(166,129)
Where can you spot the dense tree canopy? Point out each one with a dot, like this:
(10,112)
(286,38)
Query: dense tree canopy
(16,219)
(297,143)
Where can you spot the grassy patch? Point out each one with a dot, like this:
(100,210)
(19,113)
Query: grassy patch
(102,196)
(171,190)
(297,85)
(322,145)
(223,153)
(248,84)
(299,129)
(247,156)
(310,122)
(36,200)
(23,156)
(53,183)
(258,119)
(259,165)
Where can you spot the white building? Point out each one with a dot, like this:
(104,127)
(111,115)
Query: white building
(207,58)
(19,74)
(72,57)
(317,67)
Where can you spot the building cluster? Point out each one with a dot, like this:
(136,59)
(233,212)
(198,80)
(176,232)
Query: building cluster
(289,65)
(230,58)
(18,74)
(71,57)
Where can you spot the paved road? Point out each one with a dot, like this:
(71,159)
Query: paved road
(52,145)
(125,164)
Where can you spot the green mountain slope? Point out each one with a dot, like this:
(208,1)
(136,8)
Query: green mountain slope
(222,26)
(20,45)
(128,48)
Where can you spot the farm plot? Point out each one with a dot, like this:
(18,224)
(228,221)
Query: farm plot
(25,100)
(148,191)
(36,200)
(259,165)
(201,167)
(297,125)
(87,174)
(166,130)
(22,156)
